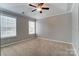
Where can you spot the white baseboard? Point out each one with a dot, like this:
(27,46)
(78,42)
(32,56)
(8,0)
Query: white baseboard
(76,54)
(16,42)
(54,40)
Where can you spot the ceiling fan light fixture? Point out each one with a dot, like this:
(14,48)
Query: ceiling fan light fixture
(39,9)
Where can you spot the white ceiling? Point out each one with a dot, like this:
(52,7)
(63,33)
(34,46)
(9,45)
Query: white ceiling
(55,8)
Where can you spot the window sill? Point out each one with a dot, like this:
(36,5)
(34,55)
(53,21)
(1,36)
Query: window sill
(9,37)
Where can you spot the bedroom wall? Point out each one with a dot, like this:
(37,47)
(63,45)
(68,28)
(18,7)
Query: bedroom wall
(78,28)
(57,27)
(21,29)
(75,30)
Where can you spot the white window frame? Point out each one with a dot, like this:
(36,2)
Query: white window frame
(31,25)
(8,33)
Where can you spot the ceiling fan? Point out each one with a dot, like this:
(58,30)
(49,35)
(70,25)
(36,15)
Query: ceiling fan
(39,7)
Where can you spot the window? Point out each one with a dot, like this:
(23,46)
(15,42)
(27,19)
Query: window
(31,27)
(8,26)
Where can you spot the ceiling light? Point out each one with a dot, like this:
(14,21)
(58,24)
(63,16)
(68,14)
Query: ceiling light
(39,9)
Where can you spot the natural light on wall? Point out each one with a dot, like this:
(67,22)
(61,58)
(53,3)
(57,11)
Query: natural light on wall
(8,26)
(31,27)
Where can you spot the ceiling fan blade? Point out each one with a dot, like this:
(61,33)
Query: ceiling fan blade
(33,10)
(32,5)
(46,8)
(40,4)
(40,11)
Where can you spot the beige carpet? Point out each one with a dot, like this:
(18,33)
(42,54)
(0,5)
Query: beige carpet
(38,47)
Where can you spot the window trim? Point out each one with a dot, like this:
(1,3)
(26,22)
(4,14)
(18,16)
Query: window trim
(7,15)
(34,27)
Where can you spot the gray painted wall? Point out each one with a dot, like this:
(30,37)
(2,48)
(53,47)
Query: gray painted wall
(57,27)
(78,28)
(22,29)
(75,30)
